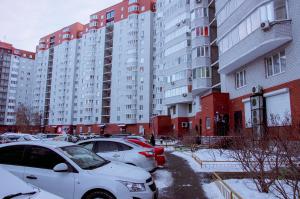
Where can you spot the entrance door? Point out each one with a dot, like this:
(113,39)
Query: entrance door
(238,121)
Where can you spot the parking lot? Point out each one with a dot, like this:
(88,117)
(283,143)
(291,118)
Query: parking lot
(94,167)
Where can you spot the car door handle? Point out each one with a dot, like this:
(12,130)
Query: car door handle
(31,177)
(116,156)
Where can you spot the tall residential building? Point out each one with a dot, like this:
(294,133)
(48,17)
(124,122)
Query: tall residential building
(16,70)
(259,63)
(98,76)
(186,60)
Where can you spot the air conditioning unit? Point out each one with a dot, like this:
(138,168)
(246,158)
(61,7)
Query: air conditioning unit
(265,26)
(184,124)
(257,90)
(184,95)
(257,117)
(257,102)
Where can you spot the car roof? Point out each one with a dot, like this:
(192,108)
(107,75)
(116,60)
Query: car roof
(43,143)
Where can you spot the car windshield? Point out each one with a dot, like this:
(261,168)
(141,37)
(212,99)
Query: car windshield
(84,158)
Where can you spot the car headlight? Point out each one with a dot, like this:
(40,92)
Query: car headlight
(134,187)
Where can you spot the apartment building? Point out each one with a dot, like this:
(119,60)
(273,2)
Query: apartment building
(97,77)
(16,70)
(258,47)
(187,61)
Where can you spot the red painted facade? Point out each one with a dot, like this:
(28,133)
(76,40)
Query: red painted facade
(17,52)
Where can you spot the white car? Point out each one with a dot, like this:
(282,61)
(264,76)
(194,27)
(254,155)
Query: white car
(73,172)
(19,137)
(13,187)
(119,149)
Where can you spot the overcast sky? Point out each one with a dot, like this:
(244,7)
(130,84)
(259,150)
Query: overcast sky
(24,22)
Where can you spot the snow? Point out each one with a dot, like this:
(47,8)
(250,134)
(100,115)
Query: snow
(163,179)
(214,155)
(169,148)
(208,167)
(212,191)
(187,156)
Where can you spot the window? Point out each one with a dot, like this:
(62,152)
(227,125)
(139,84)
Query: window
(103,147)
(123,147)
(208,123)
(275,10)
(88,145)
(43,158)
(202,72)
(278,115)
(11,155)
(202,51)
(240,79)
(247,109)
(275,64)
(202,31)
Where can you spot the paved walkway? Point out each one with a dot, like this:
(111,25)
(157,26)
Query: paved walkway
(186,184)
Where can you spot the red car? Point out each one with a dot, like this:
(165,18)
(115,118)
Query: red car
(158,151)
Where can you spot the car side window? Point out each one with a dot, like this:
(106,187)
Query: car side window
(43,158)
(106,146)
(88,145)
(123,147)
(12,155)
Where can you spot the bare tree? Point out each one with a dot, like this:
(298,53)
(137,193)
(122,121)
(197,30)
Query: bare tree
(272,159)
(26,118)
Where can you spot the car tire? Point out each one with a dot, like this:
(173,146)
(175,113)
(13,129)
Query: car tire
(99,195)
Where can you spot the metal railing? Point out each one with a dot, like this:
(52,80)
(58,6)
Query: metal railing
(226,191)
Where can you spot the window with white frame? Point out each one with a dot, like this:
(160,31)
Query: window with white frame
(201,51)
(275,64)
(240,79)
(278,115)
(202,72)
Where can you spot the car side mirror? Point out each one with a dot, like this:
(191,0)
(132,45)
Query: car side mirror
(62,167)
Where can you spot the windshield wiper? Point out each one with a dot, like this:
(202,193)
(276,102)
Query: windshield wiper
(19,194)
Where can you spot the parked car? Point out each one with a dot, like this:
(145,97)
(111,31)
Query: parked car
(73,172)
(3,139)
(46,136)
(14,187)
(158,151)
(19,137)
(66,138)
(119,149)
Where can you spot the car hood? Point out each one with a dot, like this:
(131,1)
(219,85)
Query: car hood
(124,172)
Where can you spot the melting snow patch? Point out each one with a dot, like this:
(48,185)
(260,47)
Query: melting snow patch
(163,179)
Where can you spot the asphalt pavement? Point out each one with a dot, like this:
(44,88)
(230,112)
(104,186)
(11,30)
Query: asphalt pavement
(186,183)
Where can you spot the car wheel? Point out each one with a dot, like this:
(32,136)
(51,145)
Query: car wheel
(99,195)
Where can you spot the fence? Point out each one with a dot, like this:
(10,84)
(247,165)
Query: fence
(225,189)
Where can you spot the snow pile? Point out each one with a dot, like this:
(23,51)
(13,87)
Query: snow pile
(208,167)
(212,191)
(163,179)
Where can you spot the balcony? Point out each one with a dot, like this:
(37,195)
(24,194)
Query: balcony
(180,99)
(200,85)
(254,46)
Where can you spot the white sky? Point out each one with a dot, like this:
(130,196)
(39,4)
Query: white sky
(24,22)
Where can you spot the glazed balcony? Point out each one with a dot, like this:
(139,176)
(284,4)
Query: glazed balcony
(255,45)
